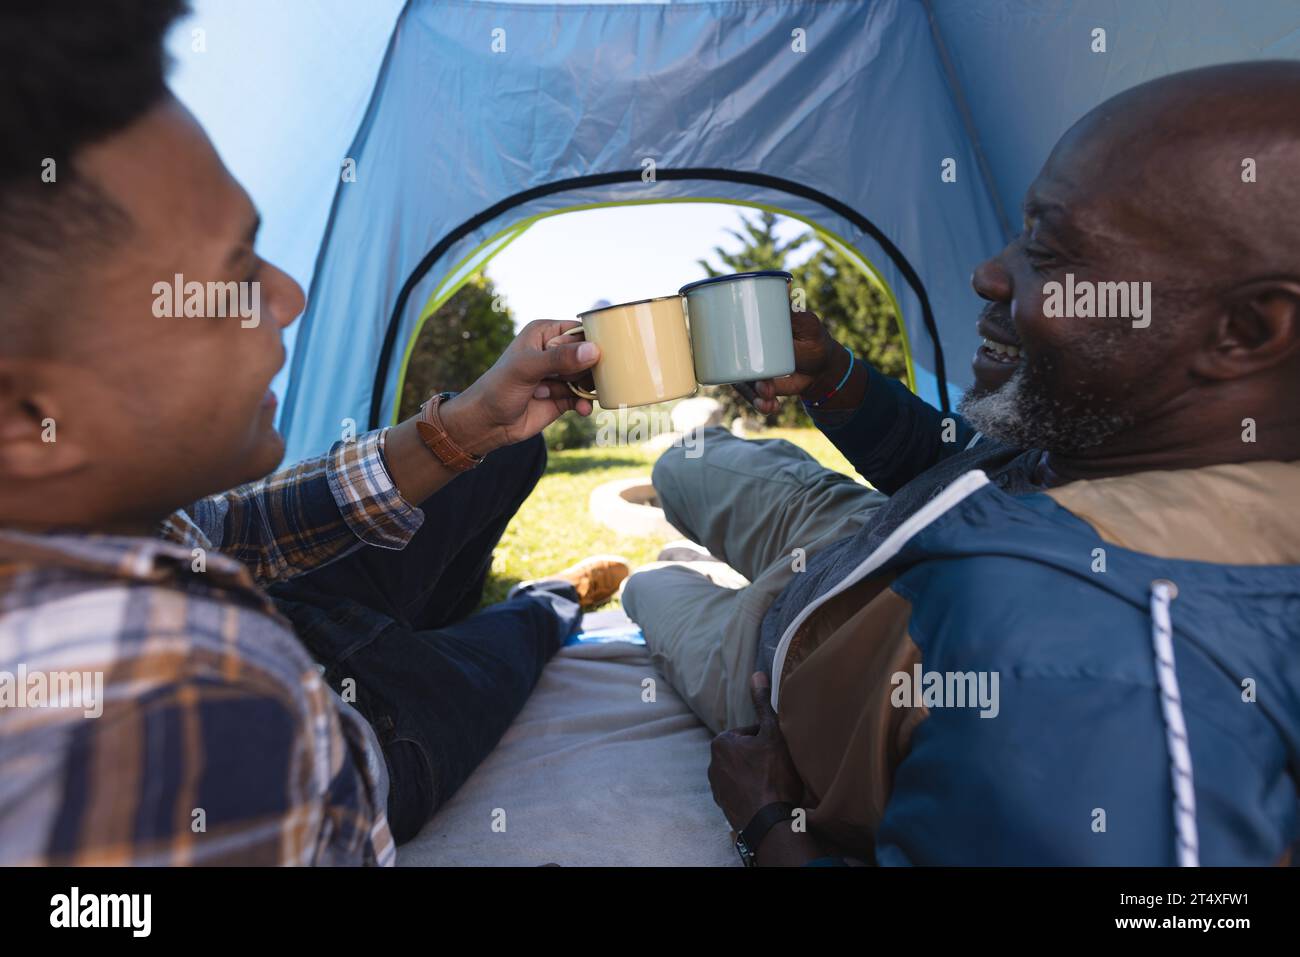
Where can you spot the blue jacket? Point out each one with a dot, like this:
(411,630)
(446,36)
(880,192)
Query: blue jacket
(1081,761)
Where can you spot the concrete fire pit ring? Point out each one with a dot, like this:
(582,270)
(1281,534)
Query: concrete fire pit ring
(631,507)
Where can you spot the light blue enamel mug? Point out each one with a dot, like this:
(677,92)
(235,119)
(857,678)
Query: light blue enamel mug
(740,327)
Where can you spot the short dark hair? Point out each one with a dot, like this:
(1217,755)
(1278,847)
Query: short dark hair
(72,72)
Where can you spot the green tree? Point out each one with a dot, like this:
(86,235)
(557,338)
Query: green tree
(458,343)
(854,307)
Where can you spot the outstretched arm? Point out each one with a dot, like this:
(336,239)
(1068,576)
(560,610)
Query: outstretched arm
(366,491)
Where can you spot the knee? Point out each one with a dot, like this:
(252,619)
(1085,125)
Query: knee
(531,453)
(412,798)
(640,584)
(667,474)
(525,460)
(628,593)
(671,471)
(653,575)
(669,461)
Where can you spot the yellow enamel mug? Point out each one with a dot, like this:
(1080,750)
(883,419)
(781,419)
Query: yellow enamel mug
(645,352)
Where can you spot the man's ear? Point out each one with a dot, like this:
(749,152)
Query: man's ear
(35,443)
(1259,327)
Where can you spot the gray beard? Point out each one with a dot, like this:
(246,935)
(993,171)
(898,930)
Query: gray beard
(1023,414)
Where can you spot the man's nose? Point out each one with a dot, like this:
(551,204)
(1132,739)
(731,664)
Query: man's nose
(992,281)
(287,297)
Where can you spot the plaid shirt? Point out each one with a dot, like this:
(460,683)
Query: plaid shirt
(215,741)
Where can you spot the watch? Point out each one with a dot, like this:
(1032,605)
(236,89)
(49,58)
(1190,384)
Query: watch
(764,820)
(434,434)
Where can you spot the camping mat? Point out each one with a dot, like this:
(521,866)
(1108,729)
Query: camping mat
(588,774)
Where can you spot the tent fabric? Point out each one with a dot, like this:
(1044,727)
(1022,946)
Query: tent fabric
(455,128)
(442,129)
(1028,70)
(280,89)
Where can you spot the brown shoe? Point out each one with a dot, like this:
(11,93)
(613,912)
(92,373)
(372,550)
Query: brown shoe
(596,579)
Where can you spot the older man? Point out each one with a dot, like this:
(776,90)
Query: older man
(1063,629)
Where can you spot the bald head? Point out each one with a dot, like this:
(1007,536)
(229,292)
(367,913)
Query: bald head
(1205,162)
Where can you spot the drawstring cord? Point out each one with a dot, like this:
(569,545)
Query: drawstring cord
(1180,756)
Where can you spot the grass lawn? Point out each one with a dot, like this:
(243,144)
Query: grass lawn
(554,529)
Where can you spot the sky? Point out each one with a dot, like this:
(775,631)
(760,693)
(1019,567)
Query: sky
(563,264)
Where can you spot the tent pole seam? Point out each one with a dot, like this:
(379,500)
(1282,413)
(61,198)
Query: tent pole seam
(968,121)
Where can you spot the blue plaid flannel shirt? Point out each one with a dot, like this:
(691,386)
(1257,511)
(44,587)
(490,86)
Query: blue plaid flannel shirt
(154,706)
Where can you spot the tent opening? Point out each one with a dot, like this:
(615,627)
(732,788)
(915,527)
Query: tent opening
(475,262)
(470,264)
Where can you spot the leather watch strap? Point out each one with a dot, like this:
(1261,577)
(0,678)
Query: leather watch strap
(767,817)
(435,436)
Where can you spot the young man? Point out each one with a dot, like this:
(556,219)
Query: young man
(168,711)
(1063,631)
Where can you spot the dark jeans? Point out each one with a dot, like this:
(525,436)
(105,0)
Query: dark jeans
(398,636)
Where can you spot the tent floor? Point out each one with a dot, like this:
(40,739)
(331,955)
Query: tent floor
(588,774)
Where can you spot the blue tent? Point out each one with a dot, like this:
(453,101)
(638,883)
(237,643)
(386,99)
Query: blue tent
(393,148)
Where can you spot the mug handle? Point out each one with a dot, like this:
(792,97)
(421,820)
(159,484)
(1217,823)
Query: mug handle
(575,389)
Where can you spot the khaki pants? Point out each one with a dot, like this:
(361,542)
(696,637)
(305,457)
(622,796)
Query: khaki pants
(751,504)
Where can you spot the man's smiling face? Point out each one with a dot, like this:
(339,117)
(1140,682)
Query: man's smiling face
(1065,383)
(153,412)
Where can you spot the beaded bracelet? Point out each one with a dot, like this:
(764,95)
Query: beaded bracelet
(835,391)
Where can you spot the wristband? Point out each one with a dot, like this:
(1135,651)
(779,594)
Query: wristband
(764,820)
(835,391)
(434,435)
